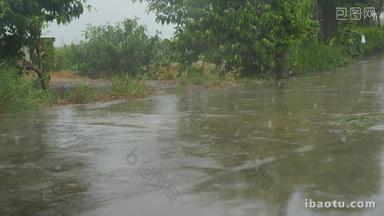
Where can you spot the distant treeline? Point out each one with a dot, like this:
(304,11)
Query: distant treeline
(124,47)
(214,40)
(259,38)
(263,38)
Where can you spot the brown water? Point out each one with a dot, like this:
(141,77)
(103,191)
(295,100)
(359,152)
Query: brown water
(245,151)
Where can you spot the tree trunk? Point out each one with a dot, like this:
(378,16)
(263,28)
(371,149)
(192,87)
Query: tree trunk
(378,18)
(42,78)
(40,73)
(282,69)
(43,81)
(326,10)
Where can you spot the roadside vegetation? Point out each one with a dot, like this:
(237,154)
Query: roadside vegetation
(24,93)
(125,86)
(216,43)
(18,93)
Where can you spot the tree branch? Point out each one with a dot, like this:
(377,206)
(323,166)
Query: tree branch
(28,66)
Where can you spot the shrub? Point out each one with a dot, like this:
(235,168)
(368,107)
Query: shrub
(348,39)
(17,93)
(63,59)
(374,39)
(198,74)
(124,47)
(125,86)
(81,94)
(166,72)
(313,55)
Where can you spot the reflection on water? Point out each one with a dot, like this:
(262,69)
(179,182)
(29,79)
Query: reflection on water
(251,150)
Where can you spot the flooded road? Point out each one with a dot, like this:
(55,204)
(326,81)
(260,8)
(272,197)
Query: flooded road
(250,150)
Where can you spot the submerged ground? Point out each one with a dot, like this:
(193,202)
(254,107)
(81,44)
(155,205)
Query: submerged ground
(242,151)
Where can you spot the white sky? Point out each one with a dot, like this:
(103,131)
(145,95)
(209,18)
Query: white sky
(106,11)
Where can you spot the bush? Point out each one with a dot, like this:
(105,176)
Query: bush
(348,39)
(81,94)
(200,74)
(374,39)
(17,93)
(313,55)
(124,47)
(63,59)
(165,72)
(125,86)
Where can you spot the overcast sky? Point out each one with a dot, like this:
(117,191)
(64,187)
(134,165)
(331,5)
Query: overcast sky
(106,11)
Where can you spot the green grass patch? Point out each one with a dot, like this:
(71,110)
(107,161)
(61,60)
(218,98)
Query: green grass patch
(17,93)
(81,94)
(206,75)
(126,86)
(374,39)
(311,56)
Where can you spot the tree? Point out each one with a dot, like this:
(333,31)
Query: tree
(379,8)
(326,12)
(124,47)
(253,35)
(21,24)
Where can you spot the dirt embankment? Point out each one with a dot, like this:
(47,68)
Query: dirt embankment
(64,81)
(68,80)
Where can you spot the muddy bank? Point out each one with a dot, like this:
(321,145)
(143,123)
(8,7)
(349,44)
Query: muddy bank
(154,87)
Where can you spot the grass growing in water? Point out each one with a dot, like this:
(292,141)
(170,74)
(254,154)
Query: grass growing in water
(126,86)
(81,94)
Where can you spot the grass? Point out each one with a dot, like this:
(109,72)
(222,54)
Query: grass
(18,93)
(81,94)
(22,93)
(126,86)
(205,75)
(374,39)
(313,56)
(121,87)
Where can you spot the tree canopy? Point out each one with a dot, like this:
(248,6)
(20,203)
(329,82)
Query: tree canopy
(124,47)
(21,24)
(252,35)
(22,20)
